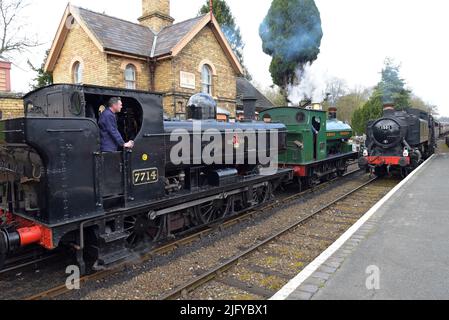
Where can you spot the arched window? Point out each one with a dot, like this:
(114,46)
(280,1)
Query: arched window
(206,79)
(77,72)
(130,77)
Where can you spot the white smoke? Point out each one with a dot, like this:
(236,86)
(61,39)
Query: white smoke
(312,84)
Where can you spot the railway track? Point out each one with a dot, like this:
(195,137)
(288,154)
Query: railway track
(169,247)
(236,273)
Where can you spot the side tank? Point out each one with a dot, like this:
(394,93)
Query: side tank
(306,133)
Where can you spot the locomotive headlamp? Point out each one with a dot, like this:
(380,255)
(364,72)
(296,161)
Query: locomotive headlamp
(365,153)
(405,153)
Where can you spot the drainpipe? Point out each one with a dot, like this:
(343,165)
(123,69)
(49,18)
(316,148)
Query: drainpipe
(152,67)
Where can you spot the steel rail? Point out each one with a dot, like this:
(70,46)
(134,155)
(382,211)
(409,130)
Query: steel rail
(215,272)
(214,226)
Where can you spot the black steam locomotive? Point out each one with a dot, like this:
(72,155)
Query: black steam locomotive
(399,142)
(58,190)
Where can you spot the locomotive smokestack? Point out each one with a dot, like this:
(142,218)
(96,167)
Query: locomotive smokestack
(389,107)
(332,113)
(249,108)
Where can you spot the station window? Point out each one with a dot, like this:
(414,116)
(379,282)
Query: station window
(206,79)
(130,77)
(77,72)
(180,111)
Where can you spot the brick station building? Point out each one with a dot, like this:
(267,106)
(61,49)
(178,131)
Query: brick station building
(155,54)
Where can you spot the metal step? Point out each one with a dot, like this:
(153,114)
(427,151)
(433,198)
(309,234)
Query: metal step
(115,236)
(108,260)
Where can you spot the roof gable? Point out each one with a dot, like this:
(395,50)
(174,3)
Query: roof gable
(112,34)
(170,36)
(246,89)
(116,34)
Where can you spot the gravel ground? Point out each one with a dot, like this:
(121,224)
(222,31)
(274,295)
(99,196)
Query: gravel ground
(33,279)
(162,274)
(289,254)
(149,280)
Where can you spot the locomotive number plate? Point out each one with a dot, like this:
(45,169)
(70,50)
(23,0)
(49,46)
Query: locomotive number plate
(145,176)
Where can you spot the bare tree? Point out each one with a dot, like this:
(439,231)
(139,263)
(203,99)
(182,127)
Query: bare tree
(335,88)
(12,37)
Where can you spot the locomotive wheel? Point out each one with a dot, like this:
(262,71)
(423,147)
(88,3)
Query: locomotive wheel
(380,172)
(299,185)
(3,249)
(226,208)
(262,194)
(341,172)
(142,229)
(207,212)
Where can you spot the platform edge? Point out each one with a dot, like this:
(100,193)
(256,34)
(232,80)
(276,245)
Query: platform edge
(305,274)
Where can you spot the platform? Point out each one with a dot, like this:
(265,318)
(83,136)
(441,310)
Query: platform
(398,250)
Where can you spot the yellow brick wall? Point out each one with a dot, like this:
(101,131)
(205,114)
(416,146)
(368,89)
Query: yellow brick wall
(203,47)
(11,107)
(162,6)
(108,70)
(79,46)
(164,77)
(116,72)
(156,14)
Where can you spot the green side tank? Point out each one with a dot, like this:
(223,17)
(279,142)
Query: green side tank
(307,134)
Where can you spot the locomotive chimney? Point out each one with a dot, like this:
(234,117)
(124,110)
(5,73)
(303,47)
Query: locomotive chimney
(249,108)
(389,107)
(332,113)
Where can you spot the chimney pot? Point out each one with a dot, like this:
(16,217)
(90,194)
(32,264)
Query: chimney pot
(156,14)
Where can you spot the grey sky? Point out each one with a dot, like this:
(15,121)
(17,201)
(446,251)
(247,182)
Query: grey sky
(358,35)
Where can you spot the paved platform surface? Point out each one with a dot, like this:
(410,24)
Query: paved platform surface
(401,252)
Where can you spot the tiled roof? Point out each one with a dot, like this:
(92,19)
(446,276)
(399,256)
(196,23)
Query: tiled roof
(246,89)
(117,34)
(170,36)
(124,36)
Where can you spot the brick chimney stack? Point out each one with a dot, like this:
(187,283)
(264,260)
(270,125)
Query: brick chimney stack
(156,14)
(5,75)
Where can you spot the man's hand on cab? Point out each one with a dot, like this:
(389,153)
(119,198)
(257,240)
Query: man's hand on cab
(129,145)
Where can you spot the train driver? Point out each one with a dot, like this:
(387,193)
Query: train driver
(111,139)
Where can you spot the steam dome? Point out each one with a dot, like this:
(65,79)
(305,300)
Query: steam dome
(201,106)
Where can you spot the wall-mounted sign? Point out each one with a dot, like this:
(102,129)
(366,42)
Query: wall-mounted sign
(187,80)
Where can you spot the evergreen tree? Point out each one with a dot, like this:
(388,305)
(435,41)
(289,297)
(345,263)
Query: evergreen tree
(291,34)
(392,86)
(391,89)
(226,20)
(372,109)
(42,78)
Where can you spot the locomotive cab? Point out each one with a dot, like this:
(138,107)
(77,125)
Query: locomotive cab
(58,131)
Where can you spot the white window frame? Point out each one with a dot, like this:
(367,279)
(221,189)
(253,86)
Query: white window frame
(131,82)
(206,84)
(78,71)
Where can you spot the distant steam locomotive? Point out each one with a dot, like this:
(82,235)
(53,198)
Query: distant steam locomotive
(398,142)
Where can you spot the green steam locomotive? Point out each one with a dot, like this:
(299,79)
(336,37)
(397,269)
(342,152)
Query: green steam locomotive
(318,147)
